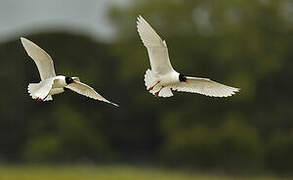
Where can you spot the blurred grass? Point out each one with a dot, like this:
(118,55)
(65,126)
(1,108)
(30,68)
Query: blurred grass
(107,173)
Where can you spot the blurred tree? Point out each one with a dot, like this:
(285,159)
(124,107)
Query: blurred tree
(232,146)
(279,152)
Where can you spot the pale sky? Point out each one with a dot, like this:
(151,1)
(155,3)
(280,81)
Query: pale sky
(21,17)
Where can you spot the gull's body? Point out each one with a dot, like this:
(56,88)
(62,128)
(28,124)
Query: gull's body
(162,78)
(51,84)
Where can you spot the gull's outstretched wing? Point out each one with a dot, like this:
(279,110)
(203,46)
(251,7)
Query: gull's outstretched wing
(157,49)
(206,87)
(88,91)
(43,61)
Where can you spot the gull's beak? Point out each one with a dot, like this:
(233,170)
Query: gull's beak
(75,82)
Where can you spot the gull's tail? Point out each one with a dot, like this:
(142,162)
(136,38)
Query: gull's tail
(153,87)
(33,88)
(149,79)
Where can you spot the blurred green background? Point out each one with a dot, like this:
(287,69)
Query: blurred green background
(242,43)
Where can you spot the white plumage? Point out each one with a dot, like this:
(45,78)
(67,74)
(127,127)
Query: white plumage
(87,91)
(162,78)
(51,84)
(43,61)
(157,49)
(206,87)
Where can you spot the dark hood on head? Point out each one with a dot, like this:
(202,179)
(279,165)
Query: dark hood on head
(182,78)
(68,80)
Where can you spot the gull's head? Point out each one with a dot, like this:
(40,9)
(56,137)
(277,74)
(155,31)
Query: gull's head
(69,80)
(182,78)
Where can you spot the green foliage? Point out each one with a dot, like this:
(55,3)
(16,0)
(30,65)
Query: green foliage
(279,152)
(42,148)
(110,173)
(239,145)
(233,145)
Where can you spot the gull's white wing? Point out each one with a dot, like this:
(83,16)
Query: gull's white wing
(157,49)
(43,61)
(205,86)
(88,91)
(42,89)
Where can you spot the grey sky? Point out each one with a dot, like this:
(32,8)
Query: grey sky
(21,17)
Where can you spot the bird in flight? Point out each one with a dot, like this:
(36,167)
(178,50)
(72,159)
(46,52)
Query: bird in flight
(51,84)
(161,79)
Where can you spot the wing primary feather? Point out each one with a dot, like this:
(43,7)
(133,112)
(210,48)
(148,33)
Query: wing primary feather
(84,89)
(156,47)
(206,87)
(43,60)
